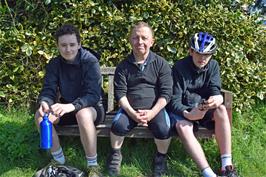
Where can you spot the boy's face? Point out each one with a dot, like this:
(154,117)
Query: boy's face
(68,46)
(141,41)
(200,60)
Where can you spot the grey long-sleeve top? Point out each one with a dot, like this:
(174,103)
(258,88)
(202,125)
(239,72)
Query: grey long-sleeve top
(143,84)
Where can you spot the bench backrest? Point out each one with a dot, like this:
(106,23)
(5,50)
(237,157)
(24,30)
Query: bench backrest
(108,73)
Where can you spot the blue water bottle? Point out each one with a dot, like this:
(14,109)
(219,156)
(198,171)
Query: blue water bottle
(46,140)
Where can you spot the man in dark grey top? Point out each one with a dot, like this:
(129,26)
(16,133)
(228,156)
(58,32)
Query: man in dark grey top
(197,99)
(143,87)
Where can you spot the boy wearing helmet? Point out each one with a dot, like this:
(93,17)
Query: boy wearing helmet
(197,100)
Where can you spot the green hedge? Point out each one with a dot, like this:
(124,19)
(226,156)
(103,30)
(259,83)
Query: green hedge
(26,42)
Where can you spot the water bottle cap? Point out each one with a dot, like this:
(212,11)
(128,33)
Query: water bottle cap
(46,115)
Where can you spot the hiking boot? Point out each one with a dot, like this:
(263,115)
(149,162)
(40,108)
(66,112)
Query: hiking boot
(94,171)
(229,171)
(159,165)
(114,162)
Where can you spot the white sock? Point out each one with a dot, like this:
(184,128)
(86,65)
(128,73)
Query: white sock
(226,160)
(59,156)
(207,172)
(92,161)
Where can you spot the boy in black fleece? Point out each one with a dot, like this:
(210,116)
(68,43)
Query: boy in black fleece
(197,99)
(75,75)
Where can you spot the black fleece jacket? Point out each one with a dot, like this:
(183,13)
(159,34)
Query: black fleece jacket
(143,84)
(192,84)
(78,82)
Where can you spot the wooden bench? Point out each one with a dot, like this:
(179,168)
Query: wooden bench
(103,129)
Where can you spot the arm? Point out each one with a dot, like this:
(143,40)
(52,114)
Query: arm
(194,114)
(91,91)
(135,115)
(176,105)
(165,83)
(215,98)
(49,91)
(214,85)
(148,114)
(120,88)
(165,86)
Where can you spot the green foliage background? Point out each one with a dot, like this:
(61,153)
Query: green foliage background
(26,39)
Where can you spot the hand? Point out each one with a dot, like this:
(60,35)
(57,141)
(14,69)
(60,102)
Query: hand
(138,117)
(213,102)
(195,114)
(202,105)
(59,109)
(44,108)
(146,116)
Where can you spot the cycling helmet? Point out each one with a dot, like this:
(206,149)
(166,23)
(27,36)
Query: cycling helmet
(203,43)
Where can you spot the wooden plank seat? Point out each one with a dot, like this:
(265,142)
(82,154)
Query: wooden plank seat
(103,129)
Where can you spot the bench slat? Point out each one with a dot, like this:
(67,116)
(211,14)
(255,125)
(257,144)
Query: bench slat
(103,129)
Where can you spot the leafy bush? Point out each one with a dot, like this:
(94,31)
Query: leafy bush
(26,41)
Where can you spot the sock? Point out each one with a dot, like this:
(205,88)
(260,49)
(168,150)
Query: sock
(226,160)
(92,161)
(59,156)
(207,172)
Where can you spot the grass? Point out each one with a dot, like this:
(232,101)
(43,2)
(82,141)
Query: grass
(20,155)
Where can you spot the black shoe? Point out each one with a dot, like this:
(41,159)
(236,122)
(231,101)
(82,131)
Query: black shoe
(229,171)
(114,162)
(159,165)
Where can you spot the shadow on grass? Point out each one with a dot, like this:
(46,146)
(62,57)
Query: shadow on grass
(20,152)
(138,156)
(20,149)
(19,146)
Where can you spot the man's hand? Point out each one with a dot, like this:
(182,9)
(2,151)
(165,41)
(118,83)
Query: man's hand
(146,115)
(194,114)
(59,109)
(137,117)
(44,108)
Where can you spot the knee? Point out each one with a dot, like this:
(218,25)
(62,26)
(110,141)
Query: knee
(184,128)
(161,132)
(119,129)
(220,113)
(85,115)
(221,108)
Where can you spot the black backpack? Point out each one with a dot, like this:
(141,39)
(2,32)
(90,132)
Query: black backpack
(56,170)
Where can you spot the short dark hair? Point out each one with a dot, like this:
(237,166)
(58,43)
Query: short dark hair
(139,25)
(67,29)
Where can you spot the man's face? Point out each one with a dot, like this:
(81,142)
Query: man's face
(200,60)
(68,46)
(141,41)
